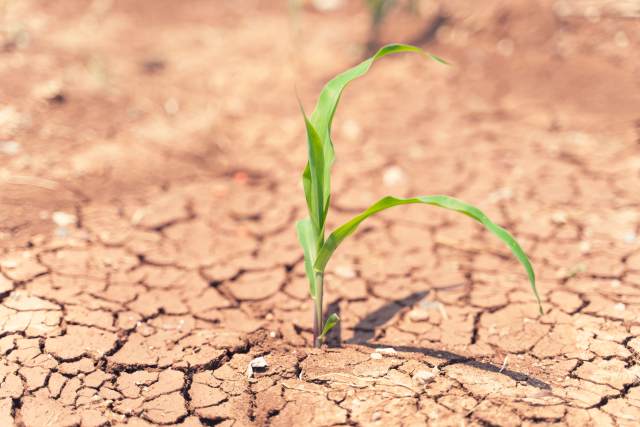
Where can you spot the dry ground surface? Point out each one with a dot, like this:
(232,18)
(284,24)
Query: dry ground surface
(150,179)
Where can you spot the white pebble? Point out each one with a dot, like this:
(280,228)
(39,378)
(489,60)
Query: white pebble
(386,350)
(10,147)
(423,377)
(376,356)
(585,247)
(327,5)
(629,237)
(393,176)
(63,219)
(417,315)
(619,307)
(345,272)
(560,217)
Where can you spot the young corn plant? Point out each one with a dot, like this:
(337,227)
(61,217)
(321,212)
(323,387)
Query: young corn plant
(317,189)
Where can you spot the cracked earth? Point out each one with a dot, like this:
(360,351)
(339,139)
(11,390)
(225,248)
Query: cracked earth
(148,251)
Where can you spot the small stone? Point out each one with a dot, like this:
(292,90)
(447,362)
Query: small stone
(376,356)
(585,247)
(423,377)
(10,147)
(63,219)
(393,176)
(272,334)
(258,362)
(418,315)
(619,307)
(560,217)
(327,5)
(345,272)
(629,237)
(376,416)
(386,350)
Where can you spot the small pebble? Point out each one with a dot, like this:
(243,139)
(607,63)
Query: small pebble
(619,307)
(376,416)
(10,147)
(272,334)
(418,315)
(423,377)
(560,217)
(345,272)
(376,356)
(63,219)
(629,237)
(393,176)
(386,350)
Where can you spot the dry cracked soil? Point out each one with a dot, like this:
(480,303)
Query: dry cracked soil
(150,162)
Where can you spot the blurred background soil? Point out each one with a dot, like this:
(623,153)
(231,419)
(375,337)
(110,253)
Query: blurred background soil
(156,147)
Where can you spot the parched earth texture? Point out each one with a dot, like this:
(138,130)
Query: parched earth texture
(150,179)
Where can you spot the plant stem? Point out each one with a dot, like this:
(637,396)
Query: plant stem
(318,311)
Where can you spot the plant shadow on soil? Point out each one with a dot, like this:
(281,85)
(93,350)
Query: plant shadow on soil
(365,330)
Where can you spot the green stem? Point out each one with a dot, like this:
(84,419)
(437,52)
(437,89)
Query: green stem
(319,283)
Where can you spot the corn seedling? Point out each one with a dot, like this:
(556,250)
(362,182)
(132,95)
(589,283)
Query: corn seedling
(317,190)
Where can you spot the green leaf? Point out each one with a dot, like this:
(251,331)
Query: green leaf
(443,201)
(313,177)
(331,322)
(322,116)
(305,236)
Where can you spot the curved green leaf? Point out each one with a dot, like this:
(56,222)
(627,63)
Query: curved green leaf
(443,201)
(331,322)
(305,236)
(322,116)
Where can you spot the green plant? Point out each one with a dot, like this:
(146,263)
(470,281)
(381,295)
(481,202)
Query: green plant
(317,189)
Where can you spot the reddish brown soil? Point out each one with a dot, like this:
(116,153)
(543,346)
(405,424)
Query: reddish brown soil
(182,265)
